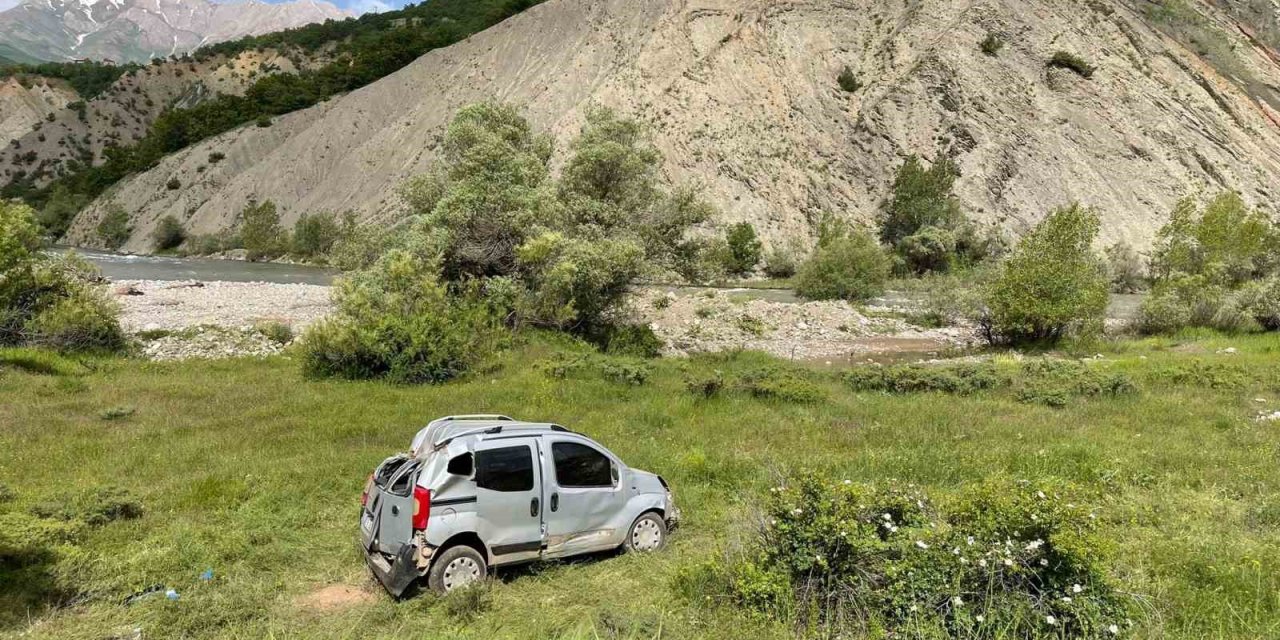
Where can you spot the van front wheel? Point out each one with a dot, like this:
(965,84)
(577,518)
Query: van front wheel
(457,567)
(647,533)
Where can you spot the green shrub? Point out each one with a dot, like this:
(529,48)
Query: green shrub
(395,321)
(636,340)
(275,331)
(173,184)
(49,300)
(1001,559)
(260,231)
(776,383)
(359,246)
(168,234)
(263,121)
(705,385)
(1052,285)
(1201,374)
(1071,62)
(848,81)
(850,267)
(207,244)
(83,319)
(931,249)
(744,249)
(960,379)
(781,262)
(117,413)
(1125,268)
(992,44)
(949,299)
(58,212)
(620,370)
(216,157)
(315,234)
(1055,382)
(922,197)
(114,228)
(1222,241)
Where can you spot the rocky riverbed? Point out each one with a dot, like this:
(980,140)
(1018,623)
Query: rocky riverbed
(192,319)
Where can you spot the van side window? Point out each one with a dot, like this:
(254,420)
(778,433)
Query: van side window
(505,469)
(578,465)
(461,465)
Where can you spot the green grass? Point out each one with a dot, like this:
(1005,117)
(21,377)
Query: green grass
(245,468)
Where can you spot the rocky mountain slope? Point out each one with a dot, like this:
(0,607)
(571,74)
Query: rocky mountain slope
(743,98)
(79,131)
(139,30)
(23,105)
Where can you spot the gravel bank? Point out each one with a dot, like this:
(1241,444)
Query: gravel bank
(217,319)
(151,305)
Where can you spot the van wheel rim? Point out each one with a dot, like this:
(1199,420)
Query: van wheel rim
(460,572)
(646,536)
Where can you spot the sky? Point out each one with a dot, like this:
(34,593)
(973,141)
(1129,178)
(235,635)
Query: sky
(358,6)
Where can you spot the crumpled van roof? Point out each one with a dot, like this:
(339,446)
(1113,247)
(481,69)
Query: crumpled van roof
(444,429)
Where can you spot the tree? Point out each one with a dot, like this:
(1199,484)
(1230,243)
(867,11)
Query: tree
(260,231)
(168,234)
(1053,283)
(114,228)
(315,234)
(745,248)
(921,198)
(849,265)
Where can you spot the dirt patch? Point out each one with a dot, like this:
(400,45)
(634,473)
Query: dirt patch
(334,598)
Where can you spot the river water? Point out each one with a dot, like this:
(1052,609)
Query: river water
(132,267)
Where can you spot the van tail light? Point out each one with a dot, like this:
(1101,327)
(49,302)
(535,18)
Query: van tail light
(364,497)
(421,507)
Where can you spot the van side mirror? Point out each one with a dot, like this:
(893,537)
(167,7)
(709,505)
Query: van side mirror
(613,471)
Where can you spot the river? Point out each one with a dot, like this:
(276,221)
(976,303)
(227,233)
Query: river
(133,267)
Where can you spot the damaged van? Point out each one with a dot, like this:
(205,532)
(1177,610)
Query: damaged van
(481,491)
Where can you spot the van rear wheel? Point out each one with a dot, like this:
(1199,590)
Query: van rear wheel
(647,533)
(458,566)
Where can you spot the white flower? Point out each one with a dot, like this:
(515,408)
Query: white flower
(969,540)
(893,529)
(1113,629)
(958,601)
(848,482)
(1066,599)
(887,517)
(797,512)
(1008,562)
(955,551)
(922,544)
(1075,588)
(773,522)
(914,608)
(982,562)
(1044,562)
(1040,494)
(1034,544)
(982,618)
(1051,620)
(1035,518)
(964,560)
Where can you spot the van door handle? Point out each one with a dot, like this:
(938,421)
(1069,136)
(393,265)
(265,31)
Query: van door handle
(533,508)
(555,501)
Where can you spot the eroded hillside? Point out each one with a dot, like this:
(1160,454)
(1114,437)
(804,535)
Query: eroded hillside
(743,97)
(80,131)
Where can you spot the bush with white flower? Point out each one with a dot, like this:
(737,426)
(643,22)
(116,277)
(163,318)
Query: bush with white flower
(1000,559)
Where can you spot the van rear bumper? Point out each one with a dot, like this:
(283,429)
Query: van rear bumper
(396,573)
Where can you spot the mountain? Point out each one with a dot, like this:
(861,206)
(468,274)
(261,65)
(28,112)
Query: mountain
(139,30)
(743,98)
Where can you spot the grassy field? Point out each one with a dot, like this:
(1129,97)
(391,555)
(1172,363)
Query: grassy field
(244,468)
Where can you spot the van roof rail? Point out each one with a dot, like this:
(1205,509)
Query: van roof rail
(476,416)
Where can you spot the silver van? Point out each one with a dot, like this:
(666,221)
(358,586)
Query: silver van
(476,492)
